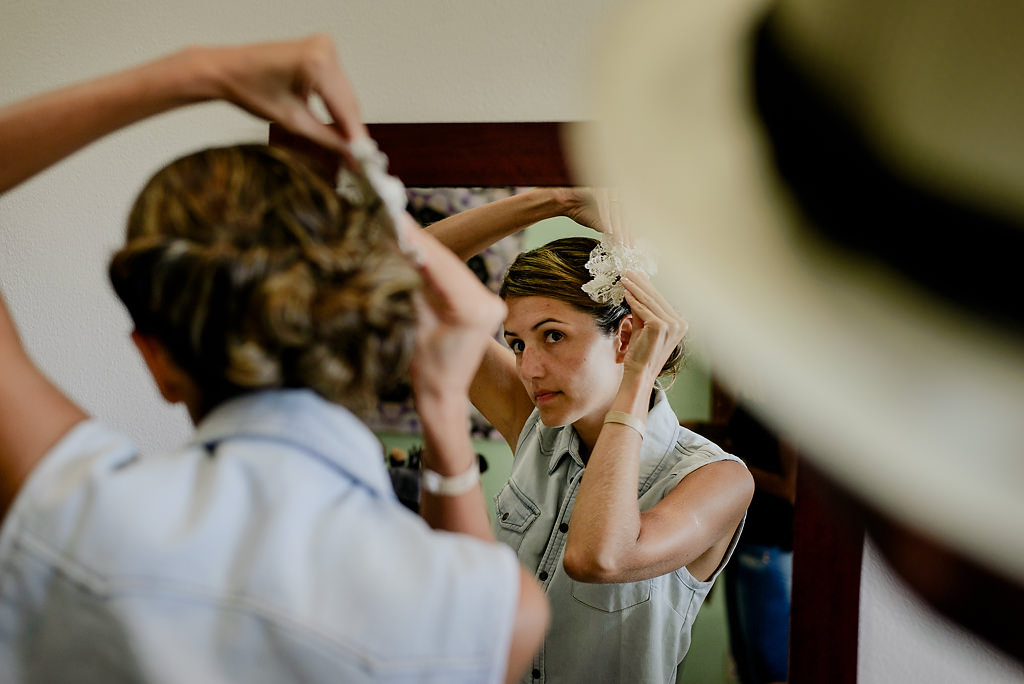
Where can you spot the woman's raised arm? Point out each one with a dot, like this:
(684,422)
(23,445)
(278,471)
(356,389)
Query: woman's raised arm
(474,230)
(271,80)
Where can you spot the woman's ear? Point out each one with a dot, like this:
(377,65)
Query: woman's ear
(623,336)
(174,383)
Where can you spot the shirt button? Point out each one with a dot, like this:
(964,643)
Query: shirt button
(543,575)
(536,673)
(504,516)
(563,528)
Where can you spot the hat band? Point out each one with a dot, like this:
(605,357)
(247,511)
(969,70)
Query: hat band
(853,201)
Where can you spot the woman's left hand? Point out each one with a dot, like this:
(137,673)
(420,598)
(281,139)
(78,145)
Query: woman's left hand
(657,328)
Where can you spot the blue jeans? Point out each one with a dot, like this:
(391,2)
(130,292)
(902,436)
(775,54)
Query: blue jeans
(758,584)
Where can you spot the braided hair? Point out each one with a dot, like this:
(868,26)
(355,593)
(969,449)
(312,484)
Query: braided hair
(254,273)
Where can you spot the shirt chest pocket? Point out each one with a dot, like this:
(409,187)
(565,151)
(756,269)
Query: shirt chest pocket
(515,513)
(611,598)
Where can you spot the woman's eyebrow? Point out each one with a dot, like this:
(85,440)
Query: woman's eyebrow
(546,320)
(509,333)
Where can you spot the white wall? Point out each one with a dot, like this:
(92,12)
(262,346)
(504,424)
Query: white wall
(410,60)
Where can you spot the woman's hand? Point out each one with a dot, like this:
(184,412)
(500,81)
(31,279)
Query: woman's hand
(582,205)
(458,318)
(657,328)
(276,80)
(596,208)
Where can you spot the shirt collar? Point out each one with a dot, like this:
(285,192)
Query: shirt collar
(560,442)
(306,421)
(659,437)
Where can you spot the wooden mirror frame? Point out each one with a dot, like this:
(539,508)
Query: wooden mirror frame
(828,535)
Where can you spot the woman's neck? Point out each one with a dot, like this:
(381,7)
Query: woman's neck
(588,428)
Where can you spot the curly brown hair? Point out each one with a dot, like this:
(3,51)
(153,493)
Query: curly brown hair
(254,273)
(558,270)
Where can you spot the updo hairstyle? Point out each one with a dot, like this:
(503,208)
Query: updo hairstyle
(254,273)
(558,270)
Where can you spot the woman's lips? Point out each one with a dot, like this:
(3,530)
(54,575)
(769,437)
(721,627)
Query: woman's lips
(543,397)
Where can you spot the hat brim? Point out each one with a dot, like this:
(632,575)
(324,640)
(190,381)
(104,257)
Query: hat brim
(912,404)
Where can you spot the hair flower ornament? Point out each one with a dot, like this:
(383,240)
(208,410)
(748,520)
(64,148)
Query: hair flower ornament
(612,257)
(375,167)
(370,177)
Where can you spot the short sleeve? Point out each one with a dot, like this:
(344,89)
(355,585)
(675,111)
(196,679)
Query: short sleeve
(687,461)
(61,479)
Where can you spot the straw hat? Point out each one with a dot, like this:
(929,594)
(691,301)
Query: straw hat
(865,276)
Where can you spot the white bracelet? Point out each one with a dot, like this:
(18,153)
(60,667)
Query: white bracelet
(440,485)
(627,419)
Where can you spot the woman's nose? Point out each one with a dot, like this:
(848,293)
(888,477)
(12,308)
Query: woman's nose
(530,365)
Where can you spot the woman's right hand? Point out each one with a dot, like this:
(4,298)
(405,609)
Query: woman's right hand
(657,329)
(458,318)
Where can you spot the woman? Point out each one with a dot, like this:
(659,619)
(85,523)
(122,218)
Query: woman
(270,547)
(625,516)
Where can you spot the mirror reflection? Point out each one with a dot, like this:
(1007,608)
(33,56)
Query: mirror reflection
(556,347)
(489,227)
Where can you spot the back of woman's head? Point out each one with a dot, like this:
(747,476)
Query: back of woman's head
(558,270)
(254,274)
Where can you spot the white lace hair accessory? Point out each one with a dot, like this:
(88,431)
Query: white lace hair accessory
(608,261)
(374,166)
(614,255)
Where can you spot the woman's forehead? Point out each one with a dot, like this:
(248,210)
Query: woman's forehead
(524,313)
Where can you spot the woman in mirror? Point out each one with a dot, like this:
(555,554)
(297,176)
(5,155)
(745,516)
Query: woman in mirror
(625,517)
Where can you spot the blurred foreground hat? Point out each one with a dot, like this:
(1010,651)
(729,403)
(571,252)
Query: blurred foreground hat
(835,189)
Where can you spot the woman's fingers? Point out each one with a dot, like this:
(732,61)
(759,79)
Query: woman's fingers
(455,294)
(643,290)
(458,317)
(580,204)
(609,208)
(275,81)
(651,306)
(332,85)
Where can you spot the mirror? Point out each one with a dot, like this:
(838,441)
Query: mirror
(828,539)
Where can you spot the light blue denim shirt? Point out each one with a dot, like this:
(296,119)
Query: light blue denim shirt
(270,548)
(636,632)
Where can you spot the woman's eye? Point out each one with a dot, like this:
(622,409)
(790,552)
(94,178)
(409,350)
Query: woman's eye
(553,336)
(516,346)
